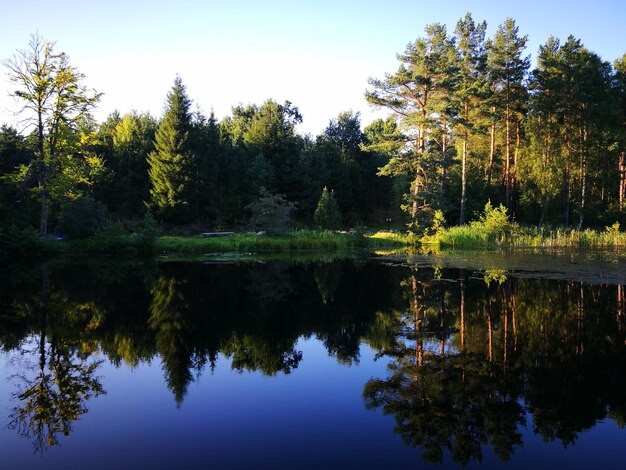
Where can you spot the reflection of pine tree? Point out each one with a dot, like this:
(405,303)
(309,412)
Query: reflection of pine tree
(169,317)
(327,277)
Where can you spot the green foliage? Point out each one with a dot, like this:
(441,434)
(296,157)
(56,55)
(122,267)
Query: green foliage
(270,212)
(495,222)
(147,234)
(18,243)
(57,105)
(125,143)
(327,215)
(82,218)
(172,164)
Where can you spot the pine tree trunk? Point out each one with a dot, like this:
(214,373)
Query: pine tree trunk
(622,180)
(507,158)
(582,140)
(567,188)
(463,181)
(492,151)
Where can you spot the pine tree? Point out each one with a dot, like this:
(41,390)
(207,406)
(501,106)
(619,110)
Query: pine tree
(471,90)
(172,164)
(419,96)
(327,214)
(507,69)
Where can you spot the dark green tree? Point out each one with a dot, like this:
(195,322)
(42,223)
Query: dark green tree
(172,163)
(126,142)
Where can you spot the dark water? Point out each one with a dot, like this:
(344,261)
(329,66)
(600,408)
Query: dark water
(328,364)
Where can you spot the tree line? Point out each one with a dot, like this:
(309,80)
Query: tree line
(469,123)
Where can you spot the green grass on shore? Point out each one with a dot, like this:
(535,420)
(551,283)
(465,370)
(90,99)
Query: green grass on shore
(301,240)
(470,236)
(24,244)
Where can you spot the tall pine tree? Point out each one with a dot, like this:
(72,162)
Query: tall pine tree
(172,164)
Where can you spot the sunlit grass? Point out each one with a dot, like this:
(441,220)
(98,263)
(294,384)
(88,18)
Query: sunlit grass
(473,236)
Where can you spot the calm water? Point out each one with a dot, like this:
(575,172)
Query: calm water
(318,364)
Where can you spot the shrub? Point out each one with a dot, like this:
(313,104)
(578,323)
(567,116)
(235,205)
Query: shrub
(270,212)
(147,234)
(19,243)
(82,218)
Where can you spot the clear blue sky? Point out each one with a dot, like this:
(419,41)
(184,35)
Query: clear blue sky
(317,54)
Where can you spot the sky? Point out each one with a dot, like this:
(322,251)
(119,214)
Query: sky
(316,54)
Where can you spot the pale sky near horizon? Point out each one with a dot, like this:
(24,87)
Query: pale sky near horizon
(316,54)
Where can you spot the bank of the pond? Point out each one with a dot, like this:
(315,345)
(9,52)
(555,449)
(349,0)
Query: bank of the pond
(476,236)
(302,240)
(24,244)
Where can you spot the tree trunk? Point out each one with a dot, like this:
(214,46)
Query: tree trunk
(462,308)
(418,322)
(582,140)
(507,158)
(622,179)
(492,151)
(567,189)
(42,171)
(463,181)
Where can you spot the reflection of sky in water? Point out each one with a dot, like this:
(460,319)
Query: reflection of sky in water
(312,418)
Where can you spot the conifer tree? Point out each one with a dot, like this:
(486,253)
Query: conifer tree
(419,96)
(172,164)
(327,214)
(470,91)
(507,69)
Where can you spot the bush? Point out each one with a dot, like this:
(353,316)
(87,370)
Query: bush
(112,240)
(327,215)
(270,212)
(19,243)
(147,235)
(82,218)
(495,222)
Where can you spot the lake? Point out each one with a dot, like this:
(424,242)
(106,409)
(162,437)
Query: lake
(360,361)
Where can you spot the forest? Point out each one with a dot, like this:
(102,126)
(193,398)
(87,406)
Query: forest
(469,123)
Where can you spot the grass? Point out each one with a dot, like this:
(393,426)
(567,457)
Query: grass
(301,240)
(23,244)
(473,235)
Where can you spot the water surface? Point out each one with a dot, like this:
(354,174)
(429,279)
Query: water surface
(371,363)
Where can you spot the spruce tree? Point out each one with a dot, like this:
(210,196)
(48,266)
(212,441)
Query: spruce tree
(327,215)
(172,164)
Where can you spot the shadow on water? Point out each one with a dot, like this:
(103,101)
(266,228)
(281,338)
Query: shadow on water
(473,347)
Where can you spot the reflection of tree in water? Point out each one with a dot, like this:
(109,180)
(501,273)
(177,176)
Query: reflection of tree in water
(327,277)
(253,353)
(517,346)
(170,318)
(52,393)
(271,284)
